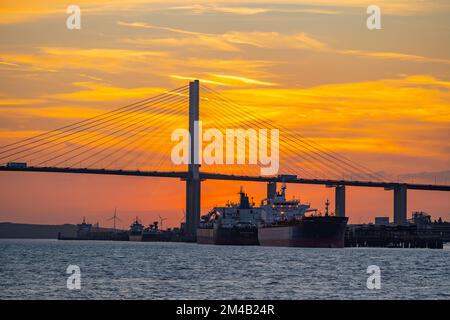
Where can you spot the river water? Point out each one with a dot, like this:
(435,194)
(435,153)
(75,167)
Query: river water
(36,269)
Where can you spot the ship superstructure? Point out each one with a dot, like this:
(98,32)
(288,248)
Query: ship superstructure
(84,229)
(233,224)
(276,208)
(286,223)
(136,230)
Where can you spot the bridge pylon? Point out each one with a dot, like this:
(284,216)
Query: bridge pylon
(193,178)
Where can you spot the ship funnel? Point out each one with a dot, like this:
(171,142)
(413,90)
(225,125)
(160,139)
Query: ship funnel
(271,190)
(243,200)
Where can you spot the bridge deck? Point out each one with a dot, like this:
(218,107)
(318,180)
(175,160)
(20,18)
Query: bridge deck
(214,176)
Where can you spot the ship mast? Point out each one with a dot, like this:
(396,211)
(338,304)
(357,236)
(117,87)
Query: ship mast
(283,190)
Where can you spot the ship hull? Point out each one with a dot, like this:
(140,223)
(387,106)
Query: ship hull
(155,237)
(228,236)
(135,237)
(205,235)
(310,232)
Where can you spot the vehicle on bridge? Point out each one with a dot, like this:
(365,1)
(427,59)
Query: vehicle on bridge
(16,164)
(287,176)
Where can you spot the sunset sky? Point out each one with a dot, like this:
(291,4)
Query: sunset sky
(379,97)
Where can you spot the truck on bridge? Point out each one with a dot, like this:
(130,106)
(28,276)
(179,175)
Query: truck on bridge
(16,164)
(287,176)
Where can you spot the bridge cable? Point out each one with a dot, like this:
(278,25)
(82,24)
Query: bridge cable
(105,115)
(101,139)
(330,157)
(82,130)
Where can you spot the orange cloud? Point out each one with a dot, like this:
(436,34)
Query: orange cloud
(233,41)
(245,80)
(226,41)
(392,56)
(27,10)
(101,92)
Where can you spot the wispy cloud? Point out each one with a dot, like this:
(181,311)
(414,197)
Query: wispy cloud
(392,56)
(53,59)
(94,91)
(231,41)
(174,76)
(244,80)
(246,10)
(226,80)
(13,102)
(27,10)
(150,26)
(274,40)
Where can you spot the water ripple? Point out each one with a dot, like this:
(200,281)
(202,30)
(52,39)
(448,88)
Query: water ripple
(36,269)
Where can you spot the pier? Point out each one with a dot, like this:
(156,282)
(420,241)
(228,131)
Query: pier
(391,236)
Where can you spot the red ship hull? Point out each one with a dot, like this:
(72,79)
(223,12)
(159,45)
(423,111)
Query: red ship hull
(309,232)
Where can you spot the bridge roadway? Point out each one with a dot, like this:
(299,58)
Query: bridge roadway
(214,176)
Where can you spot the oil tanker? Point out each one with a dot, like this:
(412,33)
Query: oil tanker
(233,224)
(285,223)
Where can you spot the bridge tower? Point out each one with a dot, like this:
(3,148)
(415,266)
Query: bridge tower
(193,177)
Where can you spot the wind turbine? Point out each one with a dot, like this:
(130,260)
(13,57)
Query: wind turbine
(114,217)
(161,219)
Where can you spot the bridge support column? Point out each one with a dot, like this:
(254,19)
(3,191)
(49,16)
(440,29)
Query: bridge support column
(400,204)
(339,203)
(193,178)
(192,207)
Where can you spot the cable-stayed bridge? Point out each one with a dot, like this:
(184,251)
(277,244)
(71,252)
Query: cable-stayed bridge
(135,140)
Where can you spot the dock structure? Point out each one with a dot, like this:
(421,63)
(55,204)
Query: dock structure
(391,236)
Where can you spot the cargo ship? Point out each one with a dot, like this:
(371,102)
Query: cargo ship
(87,231)
(136,231)
(285,223)
(153,233)
(233,224)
